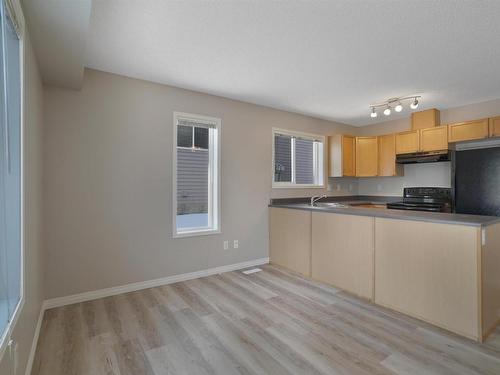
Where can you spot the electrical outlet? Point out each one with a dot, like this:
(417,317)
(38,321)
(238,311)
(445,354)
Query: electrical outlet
(350,187)
(339,187)
(226,245)
(379,187)
(236,244)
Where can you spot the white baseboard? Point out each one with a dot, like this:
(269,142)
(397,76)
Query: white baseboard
(101,293)
(31,357)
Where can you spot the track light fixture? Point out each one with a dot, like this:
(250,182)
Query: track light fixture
(396,102)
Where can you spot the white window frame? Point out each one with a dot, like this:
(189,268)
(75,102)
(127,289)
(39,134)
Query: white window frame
(5,336)
(214,190)
(318,162)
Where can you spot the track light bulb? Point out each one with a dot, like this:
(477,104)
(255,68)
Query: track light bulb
(398,107)
(414,104)
(374,113)
(387,111)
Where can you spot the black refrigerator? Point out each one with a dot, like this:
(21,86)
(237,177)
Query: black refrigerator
(476,181)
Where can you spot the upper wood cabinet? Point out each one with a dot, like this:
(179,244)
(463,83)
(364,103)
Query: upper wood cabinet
(341,155)
(425,119)
(387,156)
(407,142)
(468,131)
(366,156)
(495,127)
(376,156)
(348,155)
(434,139)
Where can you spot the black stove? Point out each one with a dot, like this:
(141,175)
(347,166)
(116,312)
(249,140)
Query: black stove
(433,199)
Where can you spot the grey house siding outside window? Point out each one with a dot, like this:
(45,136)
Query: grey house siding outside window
(304,160)
(192,181)
(192,169)
(283,158)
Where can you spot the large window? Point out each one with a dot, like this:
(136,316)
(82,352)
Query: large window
(10,170)
(297,159)
(196,175)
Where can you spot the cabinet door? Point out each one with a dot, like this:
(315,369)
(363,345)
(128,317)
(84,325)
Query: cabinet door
(366,156)
(434,139)
(425,119)
(290,239)
(467,131)
(342,252)
(495,127)
(348,155)
(387,156)
(429,271)
(407,142)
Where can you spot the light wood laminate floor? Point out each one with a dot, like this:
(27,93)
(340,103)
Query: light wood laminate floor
(271,322)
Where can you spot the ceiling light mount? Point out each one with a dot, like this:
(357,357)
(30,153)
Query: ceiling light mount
(395,103)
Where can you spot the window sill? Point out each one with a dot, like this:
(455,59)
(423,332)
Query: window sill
(196,233)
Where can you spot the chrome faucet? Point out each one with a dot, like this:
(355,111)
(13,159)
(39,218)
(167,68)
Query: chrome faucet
(315,199)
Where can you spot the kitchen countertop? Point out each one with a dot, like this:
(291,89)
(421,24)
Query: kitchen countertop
(434,217)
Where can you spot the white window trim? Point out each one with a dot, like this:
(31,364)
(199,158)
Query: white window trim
(293,185)
(215,153)
(5,337)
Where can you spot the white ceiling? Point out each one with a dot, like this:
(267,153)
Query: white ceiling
(328,59)
(58,31)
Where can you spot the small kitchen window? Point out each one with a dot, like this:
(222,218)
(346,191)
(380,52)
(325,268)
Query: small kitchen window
(298,159)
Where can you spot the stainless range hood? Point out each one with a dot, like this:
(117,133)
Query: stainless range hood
(424,157)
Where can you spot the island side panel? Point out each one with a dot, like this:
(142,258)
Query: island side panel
(342,252)
(290,239)
(429,271)
(491,279)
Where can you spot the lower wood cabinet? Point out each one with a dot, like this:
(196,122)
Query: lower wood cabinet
(342,252)
(290,239)
(430,271)
(445,274)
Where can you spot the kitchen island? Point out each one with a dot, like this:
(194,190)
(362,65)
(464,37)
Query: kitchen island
(442,268)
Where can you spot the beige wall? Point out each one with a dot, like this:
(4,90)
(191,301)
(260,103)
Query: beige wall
(434,174)
(108,182)
(34,276)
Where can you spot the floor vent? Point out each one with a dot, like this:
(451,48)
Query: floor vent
(253,270)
